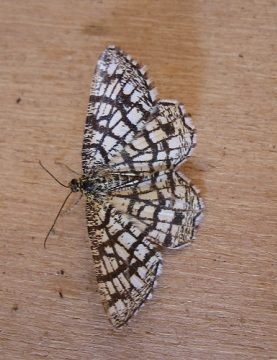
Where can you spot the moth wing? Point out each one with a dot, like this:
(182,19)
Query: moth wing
(120,103)
(164,206)
(126,263)
(166,140)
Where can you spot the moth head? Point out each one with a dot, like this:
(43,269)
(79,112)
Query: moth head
(75,185)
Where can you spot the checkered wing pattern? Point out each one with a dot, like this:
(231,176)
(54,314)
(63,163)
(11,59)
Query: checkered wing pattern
(164,206)
(136,200)
(166,140)
(121,101)
(126,262)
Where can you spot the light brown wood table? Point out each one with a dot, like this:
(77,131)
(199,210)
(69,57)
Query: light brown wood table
(216,299)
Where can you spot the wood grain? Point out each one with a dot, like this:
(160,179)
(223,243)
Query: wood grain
(216,299)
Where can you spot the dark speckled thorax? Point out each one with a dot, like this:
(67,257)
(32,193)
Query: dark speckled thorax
(101,183)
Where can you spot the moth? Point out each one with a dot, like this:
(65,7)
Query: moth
(136,200)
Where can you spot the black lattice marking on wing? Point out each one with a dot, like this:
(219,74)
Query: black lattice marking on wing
(126,262)
(165,141)
(121,100)
(135,199)
(164,206)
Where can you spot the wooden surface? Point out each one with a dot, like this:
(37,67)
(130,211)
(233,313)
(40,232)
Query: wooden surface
(216,299)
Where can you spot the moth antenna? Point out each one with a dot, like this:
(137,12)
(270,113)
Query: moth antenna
(60,163)
(52,175)
(62,204)
(56,218)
